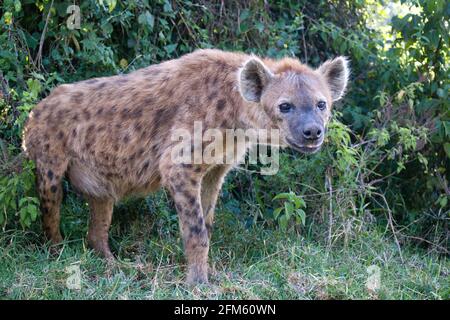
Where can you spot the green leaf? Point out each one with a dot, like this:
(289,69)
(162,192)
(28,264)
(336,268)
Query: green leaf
(147,18)
(17,5)
(283,222)
(277,212)
(302,215)
(447,149)
(441,93)
(167,6)
(443,202)
(289,209)
(284,195)
(22,202)
(260,27)
(111,4)
(33,212)
(170,48)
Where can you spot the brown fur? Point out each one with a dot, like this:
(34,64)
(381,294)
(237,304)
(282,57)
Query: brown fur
(111,136)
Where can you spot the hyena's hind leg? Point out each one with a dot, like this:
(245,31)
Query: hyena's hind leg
(211,185)
(99,223)
(49,175)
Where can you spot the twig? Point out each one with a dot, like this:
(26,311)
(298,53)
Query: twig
(330,214)
(391,225)
(4,88)
(41,42)
(429,242)
(444,183)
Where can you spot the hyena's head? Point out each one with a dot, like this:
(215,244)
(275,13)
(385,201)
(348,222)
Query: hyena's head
(296,98)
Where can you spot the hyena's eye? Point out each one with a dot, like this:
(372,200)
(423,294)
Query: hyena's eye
(322,105)
(286,107)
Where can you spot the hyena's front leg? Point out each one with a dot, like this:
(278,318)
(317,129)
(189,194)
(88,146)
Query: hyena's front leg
(183,181)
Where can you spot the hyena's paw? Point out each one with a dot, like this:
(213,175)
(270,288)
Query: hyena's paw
(197,274)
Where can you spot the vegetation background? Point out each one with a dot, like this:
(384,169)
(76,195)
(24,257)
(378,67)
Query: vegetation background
(371,207)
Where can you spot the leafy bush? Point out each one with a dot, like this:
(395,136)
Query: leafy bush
(388,147)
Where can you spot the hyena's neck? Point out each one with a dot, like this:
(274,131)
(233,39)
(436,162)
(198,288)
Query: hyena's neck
(252,116)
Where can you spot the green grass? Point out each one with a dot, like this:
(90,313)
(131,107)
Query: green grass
(247,263)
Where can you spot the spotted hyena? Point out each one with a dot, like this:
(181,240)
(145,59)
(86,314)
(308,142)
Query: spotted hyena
(111,136)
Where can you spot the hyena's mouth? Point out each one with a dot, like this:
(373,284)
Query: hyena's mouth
(305,148)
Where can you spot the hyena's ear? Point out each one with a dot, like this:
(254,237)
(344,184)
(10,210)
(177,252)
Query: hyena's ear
(336,73)
(253,77)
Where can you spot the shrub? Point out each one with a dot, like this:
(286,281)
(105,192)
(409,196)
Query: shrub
(388,148)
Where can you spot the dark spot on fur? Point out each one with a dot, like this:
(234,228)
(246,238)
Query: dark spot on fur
(222,66)
(196,229)
(149,101)
(125,112)
(179,187)
(194,86)
(163,119)
(212,96)
(221,104)
(111,112)
(60,135)
(214,81)
(191,200)
(169,93)
(90,129)
(50,174)
(99,111)
(53,188)
(77,97)
(137,113)
(86,114)
(137,127)
(101,85)
(144,167)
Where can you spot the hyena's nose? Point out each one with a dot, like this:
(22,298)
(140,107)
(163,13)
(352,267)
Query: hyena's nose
(312,132)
